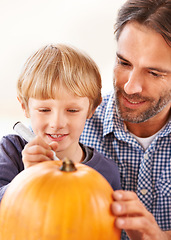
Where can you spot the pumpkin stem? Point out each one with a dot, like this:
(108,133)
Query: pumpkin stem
(68,165)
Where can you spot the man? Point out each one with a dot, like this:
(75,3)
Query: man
(133,125)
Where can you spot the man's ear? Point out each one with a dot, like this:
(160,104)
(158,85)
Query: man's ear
(24,107)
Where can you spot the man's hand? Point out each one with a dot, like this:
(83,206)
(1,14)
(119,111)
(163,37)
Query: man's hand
(133,217)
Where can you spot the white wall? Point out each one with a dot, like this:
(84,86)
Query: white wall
(26,25)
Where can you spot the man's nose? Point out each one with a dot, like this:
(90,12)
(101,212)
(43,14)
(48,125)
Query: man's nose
(134,83)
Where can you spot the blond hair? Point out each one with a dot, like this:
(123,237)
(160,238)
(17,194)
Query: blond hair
(59,65)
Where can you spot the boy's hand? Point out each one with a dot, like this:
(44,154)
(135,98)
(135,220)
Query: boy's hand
(133,217)
(36,151)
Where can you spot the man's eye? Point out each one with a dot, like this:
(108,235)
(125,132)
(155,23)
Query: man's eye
(154,74)
(123,63)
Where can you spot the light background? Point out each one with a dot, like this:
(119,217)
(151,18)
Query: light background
(25,26)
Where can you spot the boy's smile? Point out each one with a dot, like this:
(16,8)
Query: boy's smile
(57,137)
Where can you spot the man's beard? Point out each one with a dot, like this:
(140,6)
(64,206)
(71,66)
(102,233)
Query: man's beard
(137,116)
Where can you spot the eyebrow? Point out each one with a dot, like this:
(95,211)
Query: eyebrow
(150,68)
(160,70)
(121,57)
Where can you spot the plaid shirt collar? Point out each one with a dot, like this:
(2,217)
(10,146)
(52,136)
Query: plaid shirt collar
(113,126)
(117,127)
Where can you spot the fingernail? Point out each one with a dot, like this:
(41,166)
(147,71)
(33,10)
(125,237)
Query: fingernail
(118,195)
(120,222)
(118,207)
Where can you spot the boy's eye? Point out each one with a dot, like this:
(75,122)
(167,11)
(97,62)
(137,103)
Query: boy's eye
(73,110)
(43,110)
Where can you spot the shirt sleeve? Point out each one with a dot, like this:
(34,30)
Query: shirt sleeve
(11,163)
(107,167)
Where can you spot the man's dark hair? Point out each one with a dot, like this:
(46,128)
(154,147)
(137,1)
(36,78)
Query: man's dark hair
(155,14)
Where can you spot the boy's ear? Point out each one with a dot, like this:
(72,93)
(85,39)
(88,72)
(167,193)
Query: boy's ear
(91,113)
(93,110)
(24,107)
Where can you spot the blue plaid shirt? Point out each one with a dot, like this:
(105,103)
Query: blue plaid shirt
(146,172)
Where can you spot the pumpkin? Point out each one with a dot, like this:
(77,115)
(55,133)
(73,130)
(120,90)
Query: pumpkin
(58,201)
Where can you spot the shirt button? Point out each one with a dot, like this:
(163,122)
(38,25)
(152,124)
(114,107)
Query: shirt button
(143,191)
(146,156)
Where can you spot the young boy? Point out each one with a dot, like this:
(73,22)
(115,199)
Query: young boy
(59,88)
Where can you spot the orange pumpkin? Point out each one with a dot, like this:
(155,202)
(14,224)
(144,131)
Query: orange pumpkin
(46,202)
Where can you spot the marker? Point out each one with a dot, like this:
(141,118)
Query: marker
(27,134)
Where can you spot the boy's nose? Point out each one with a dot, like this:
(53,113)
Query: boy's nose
(57,121)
